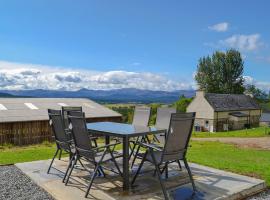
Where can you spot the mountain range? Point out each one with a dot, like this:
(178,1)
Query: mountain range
(129,95)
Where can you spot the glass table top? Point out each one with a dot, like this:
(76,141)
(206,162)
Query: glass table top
(122,129)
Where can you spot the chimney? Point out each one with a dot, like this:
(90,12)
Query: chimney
(200,93)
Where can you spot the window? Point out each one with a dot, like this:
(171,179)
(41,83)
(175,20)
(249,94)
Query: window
(62,104)
(31,106)
(2,107)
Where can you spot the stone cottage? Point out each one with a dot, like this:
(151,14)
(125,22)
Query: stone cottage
(223,112)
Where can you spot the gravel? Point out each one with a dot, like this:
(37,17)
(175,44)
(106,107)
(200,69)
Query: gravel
(17,186)
(261,196)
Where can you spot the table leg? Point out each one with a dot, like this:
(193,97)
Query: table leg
(107,140)
(125,163)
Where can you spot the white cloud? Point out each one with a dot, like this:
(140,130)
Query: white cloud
(263,58)
(18,76)
(263,85)
(243,42)
(220,27)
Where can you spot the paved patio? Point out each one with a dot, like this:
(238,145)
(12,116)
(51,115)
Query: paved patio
(211,183)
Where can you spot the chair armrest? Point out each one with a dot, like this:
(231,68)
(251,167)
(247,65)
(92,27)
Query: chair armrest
(150,146)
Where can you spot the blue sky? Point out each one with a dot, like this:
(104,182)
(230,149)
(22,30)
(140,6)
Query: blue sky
(151,44)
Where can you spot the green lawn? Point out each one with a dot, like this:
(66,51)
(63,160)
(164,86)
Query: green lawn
(11,155)
(214,154)
(253,132)
(231,158)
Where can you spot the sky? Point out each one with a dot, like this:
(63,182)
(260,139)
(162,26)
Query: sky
(144,44)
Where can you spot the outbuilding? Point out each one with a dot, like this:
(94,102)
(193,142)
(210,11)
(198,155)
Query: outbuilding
(25,120)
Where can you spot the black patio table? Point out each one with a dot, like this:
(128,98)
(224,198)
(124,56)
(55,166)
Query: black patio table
(124,131)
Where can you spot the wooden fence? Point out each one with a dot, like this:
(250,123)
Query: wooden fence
(33,132)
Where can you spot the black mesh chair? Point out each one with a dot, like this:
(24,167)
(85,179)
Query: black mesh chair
(84,149)
(174,150)
(162,122)
(140,118)
(65,110)
(63,141)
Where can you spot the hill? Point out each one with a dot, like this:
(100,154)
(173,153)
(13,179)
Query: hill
(130,95)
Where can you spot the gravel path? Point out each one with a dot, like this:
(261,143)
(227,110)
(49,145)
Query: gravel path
(256,143)
(262,196)
(14,185)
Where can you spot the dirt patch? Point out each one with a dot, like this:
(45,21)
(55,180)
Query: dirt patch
(254,143)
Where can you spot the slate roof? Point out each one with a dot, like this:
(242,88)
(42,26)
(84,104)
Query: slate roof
(35,109)
(231,102)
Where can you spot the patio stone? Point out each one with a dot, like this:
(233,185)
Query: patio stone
(212,184)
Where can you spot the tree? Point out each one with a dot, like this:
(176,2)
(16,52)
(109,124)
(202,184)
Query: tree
(182,103)
(221,73)
(258,94)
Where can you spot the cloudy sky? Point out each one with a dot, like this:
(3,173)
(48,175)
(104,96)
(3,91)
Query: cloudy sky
(151,44)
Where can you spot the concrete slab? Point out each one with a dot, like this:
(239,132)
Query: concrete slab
(212,184)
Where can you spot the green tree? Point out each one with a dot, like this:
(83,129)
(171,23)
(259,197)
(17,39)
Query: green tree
(182,103)
(256,93)
(221,73)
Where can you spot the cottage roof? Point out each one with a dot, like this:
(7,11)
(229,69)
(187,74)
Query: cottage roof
(35,109)
(231,102)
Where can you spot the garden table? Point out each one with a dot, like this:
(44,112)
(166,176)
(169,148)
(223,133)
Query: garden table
(124,131)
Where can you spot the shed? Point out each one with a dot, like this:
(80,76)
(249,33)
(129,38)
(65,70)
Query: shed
(25,120)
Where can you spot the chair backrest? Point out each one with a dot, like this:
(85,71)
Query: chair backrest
(80,134)
(65,110)
(56,122)
(164,117)
(178,136)
(141,116)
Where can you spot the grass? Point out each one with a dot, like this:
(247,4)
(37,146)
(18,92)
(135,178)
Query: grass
(251,162)
(11,155)
(255,163)
(253,132)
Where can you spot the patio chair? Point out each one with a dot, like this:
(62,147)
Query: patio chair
(84,149)
(175,147)
(140,118)
(162,122)
(65,110)
(63,141)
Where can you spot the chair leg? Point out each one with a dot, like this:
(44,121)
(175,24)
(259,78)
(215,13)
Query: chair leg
(91,180)
(95,142)
(115,163)
(72,167)
(133,149)
(190,175)
(135,156)
(159,176)
(69,166)
(52,161)
(60,154)
(179,164)
(139,169)
(101,171)
(165,168)
(155,139)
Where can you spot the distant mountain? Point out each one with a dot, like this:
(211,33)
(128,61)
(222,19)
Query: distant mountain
(2,94)
(108,96)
